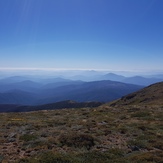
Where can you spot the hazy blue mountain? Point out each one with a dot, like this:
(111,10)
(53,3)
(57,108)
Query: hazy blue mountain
(102,91)
(61,83)
(141,80)
(28,92)
(13,79)
(53,80)
(113,77)
(138,80)
(18,97)
(90,73)
(26,85)
(88,76)
(158,76)
(81,77)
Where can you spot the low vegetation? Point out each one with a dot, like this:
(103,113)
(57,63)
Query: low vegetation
(105,134)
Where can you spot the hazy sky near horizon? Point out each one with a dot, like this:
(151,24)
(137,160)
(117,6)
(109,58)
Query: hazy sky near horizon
(125,35)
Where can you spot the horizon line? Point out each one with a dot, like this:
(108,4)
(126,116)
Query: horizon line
(73,69)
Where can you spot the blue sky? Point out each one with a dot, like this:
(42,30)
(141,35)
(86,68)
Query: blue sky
(120,35)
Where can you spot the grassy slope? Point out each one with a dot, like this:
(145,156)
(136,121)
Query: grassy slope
(151,95)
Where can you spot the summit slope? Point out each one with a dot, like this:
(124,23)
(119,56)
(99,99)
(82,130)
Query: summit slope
(151,95)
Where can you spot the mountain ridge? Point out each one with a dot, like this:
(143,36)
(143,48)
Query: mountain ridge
(51,106)
(151,95)
(102,91)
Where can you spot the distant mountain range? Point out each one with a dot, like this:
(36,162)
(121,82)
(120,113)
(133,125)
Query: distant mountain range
(151,95)
(102,91)
(85,76)
(27,90)
(138,80)
(33,93)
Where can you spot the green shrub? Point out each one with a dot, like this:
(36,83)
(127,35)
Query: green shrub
(28,137)
(111,156)
(77,140)
(138,143)
(50,157)
(147,157)
(141,114)
(1,158)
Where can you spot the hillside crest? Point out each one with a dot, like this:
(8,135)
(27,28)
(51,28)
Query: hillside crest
(151,95)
